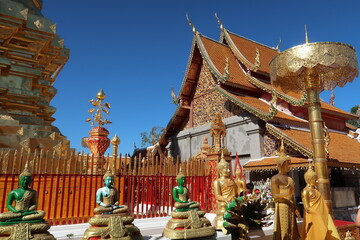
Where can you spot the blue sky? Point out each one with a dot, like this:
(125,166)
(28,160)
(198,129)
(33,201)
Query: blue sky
(136,51)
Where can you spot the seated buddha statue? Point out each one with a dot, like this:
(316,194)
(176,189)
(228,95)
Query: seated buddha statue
(187,221)
(111,220)
(282,190)
(22,203)
(107,197)
(225,191)
(24,221)
(318,223)
(181,196)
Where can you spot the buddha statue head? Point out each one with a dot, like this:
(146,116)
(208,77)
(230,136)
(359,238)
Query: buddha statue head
(108,178)
(310,176)
(180,178)
(25,177)
(283,162)
(223,167)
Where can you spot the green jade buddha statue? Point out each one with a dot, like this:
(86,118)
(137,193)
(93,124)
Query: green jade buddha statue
(25,199)
(107,197)
(111,220)
(181,196)
(187,220)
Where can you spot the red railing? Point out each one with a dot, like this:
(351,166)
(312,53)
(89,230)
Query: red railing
(66,184)
(70,198)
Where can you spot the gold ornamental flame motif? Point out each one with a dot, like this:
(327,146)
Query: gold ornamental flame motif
(100,110)
(329,64)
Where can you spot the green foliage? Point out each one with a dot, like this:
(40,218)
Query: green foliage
(354,122)
(152,137)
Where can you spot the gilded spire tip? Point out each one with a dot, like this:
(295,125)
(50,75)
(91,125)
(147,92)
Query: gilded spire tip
(306,35)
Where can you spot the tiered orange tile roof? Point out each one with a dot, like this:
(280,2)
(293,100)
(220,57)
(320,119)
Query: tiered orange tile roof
(342,148)
(248,49)
(226,66)
(270,163)
(262,108)
(218,53)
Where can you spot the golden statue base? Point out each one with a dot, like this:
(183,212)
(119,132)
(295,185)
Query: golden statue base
(112,226)
(25,231)
(189,224)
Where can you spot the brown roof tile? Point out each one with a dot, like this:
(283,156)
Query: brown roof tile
(218,54)
(342,148)
(269,163)
(248,49)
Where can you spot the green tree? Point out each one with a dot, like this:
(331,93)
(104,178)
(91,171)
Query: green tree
(152,137)
(354,122)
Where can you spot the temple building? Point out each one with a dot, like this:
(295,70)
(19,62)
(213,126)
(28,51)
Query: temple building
(230,76)
(31,57)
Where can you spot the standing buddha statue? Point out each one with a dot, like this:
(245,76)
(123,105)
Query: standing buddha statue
(318,223)
(187,221)
(282,190)
(225,191)
(111,220)
(240,184)
(23,219)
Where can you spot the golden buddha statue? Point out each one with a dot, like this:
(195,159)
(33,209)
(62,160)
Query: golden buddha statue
(224,190)
(282,190)
(240,184)
(111,220)
(187,221)
(23,215)
(318,223)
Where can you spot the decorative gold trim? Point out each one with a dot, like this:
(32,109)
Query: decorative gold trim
(267,88)
(209,62)
(253,67)
(264,116)
(189,233)
(289,141)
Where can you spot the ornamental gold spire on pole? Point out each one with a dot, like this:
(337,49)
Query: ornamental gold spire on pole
(314,67)
(98,142)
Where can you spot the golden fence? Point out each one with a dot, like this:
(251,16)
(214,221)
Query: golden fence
(66,183)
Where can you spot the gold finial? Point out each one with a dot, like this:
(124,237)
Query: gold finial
(115,140)
(219,22)
(306,35)
(101,95)
(281,154)
(180,174)
(190,23)
(25,172)
(97,113)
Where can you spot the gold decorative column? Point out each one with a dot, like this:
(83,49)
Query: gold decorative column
(314,67)
(115,141)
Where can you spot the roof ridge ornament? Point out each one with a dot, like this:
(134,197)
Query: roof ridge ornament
(220,23)
(191,24)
